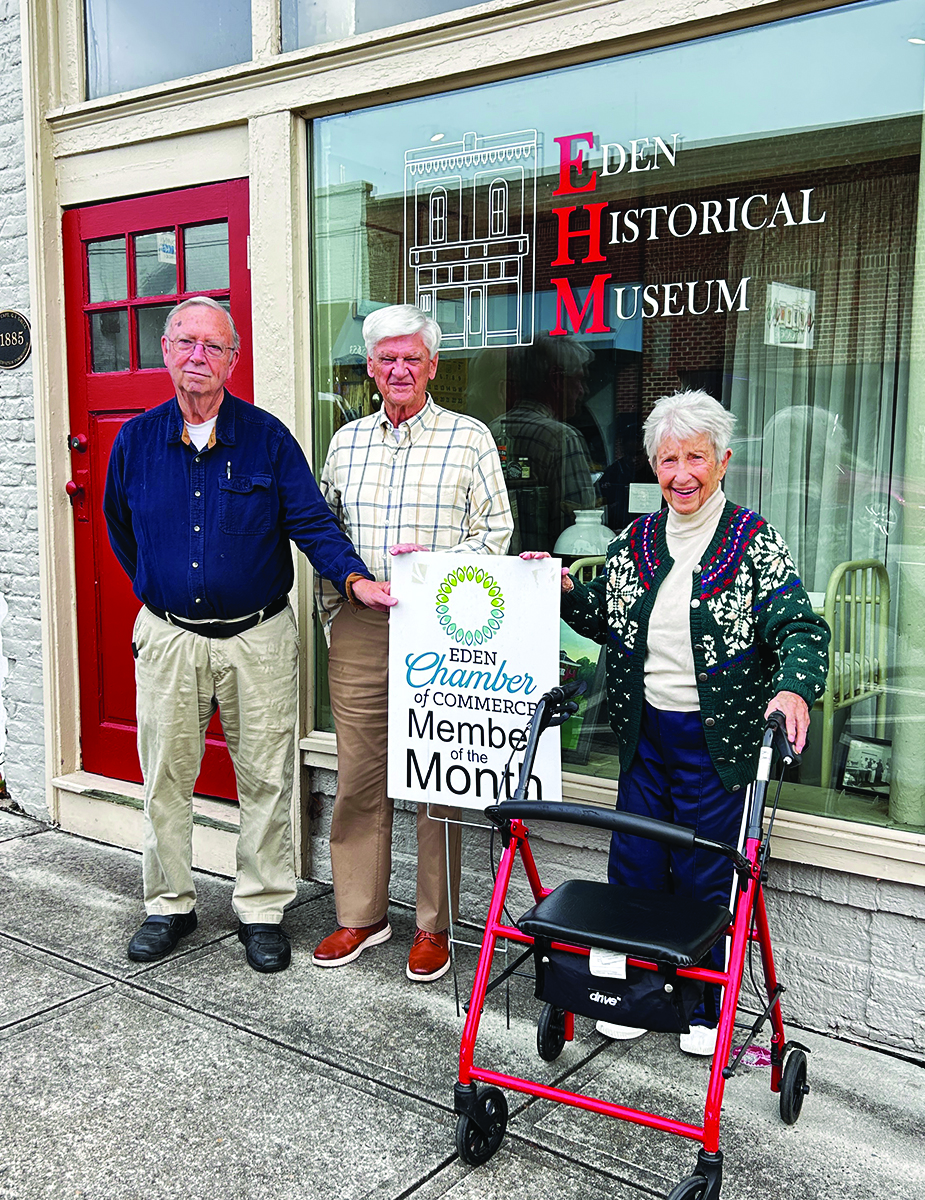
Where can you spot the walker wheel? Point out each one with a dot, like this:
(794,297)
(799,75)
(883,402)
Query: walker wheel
(793,1087)
(474,1145)
(694,1187)
(550,1032)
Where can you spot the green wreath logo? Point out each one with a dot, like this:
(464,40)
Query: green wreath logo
(470,606)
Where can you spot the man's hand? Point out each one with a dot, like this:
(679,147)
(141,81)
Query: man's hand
(406,548)
(374,595)
(567,583)
(796,713)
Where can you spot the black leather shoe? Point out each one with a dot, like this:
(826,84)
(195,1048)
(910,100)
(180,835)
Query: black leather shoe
(159,935)
(267,947)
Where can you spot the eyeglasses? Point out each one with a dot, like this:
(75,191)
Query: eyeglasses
(188,345)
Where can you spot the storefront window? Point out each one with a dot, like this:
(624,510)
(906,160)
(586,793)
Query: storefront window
(314,22)
(736,214)
(132,46)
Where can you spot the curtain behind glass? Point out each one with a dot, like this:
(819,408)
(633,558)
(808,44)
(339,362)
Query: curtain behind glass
(814,449)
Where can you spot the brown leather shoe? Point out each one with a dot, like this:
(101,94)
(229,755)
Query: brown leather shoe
(429,957)
(345,944)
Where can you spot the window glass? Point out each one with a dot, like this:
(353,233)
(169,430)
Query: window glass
(156,263)
(584,259)
(106,270)
(109,340)
(313,22)
(206,256)
(132,46)
(150,331)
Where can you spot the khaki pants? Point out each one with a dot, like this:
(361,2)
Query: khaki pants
(361,829)
(180,677)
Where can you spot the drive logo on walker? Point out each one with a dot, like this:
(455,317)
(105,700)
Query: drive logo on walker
(473,645)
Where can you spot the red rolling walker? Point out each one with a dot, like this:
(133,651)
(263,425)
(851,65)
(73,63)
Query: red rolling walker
(658,933)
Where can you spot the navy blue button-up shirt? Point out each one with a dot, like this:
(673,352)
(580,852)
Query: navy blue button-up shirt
(204,534)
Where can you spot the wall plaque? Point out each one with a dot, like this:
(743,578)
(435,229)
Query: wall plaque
(15,339)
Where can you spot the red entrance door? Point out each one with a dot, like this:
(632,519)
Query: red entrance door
(125,265)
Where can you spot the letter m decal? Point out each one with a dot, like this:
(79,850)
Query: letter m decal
(565,298)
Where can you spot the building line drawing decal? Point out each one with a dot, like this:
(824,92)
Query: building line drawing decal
(470,229)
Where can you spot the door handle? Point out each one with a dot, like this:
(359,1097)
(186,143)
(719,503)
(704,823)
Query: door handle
(76,489)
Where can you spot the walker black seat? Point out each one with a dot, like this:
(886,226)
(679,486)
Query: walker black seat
(673,930)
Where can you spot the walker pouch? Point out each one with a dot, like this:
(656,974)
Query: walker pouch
(646,999)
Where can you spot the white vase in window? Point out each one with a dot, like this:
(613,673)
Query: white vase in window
(587,536)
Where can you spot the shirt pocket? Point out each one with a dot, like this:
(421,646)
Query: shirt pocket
(437,507)
(245,504)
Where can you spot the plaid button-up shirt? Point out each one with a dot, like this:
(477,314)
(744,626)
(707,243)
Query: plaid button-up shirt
(439,484)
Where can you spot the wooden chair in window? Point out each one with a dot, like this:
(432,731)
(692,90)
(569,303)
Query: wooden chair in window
(584,569)
(857,610)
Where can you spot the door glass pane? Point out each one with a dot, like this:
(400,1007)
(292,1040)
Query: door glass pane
(132,46)
(206,257)
(313,22)
(150,328)
(156,263)
(109,340)
(106,270)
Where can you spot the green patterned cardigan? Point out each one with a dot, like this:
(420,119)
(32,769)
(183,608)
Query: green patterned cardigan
(753,632)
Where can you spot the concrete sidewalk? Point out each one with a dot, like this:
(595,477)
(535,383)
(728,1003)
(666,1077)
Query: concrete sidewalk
(196,1077)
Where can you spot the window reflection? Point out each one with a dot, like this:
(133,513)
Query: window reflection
(156,263)
(314,22)
(106,271)
(109,340)
(762,251)
(546,457)
(206,256)
(132,46)
(150,330)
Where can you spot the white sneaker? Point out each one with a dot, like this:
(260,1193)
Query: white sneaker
(620,1033)
(700,1041)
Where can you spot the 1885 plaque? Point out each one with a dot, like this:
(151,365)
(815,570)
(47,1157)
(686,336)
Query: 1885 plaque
(15,339)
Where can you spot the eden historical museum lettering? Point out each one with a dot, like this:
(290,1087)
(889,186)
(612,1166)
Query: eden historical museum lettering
(586,231)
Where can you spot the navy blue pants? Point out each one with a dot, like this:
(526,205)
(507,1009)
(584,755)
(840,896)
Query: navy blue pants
(673,778)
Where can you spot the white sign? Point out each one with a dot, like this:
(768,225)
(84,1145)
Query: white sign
(790,316)
(473,645)
(167,247)
(645,498)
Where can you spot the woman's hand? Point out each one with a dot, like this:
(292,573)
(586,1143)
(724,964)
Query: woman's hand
(796,714)
(568,583)
(406,548)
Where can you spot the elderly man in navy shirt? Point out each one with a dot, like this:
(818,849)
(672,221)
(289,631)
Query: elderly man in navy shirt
(203,496)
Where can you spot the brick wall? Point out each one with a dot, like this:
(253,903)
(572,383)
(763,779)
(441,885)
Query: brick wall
(24,767)
(849,950)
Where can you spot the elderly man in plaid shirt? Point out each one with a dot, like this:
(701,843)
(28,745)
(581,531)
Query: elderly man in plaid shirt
(413,476)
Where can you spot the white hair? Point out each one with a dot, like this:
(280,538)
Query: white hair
(686,415)
(205,302)
(401,320)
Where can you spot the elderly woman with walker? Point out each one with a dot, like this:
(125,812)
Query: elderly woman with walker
(707,629)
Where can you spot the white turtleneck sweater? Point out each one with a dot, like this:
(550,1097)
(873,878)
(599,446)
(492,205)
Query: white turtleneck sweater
(669,666)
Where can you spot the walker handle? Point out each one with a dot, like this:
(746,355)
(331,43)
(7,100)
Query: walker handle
(777,722)
(565,691)
(678,836)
